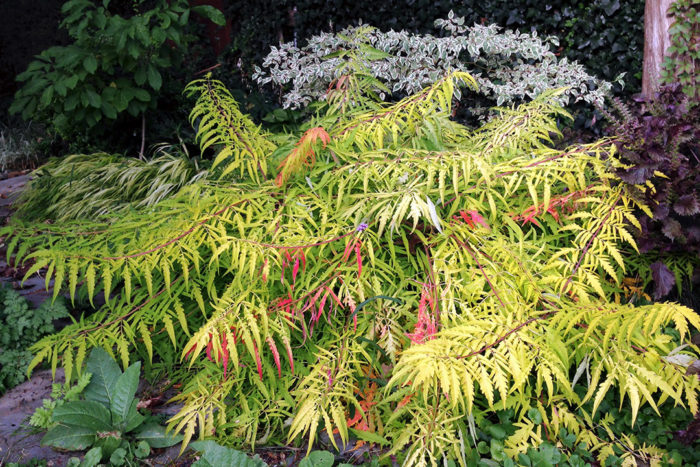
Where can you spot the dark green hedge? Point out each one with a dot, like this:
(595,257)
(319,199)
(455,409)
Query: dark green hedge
(605,35)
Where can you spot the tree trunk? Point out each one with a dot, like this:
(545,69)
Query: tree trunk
(656,41)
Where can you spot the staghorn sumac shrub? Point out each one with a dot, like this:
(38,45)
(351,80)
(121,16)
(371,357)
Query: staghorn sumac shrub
(386,274)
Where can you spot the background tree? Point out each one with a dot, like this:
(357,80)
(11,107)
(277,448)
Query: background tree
(656,40)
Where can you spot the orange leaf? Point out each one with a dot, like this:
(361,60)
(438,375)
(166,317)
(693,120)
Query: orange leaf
(303,153)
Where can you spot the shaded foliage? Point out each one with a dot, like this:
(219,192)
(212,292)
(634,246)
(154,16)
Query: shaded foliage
(20,327)
(682,63)
(660,142)
(112,70)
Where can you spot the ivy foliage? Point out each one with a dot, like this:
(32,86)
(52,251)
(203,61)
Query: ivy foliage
(682,59)
(401,280)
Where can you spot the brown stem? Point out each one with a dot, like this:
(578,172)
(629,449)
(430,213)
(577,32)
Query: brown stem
(483,272)
(179,237)
(143,136)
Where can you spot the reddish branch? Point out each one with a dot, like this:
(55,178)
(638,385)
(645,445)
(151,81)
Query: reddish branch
(549,314)
(233,129)
(416,98)
(132,311)
(471,253)
(179,237)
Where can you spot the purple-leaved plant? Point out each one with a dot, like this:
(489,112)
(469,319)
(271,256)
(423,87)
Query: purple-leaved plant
(662,136)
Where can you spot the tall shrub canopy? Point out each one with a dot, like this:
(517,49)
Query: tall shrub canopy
(384,248)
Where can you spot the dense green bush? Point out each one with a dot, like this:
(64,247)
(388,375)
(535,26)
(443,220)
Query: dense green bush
(20,327)
(114,65)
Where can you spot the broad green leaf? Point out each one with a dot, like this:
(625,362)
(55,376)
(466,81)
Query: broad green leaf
(215,455)
(157,437)
(109,443)
(142,95)
(133,419)
(90,64)
(211,13)
(318,459)
(125,390)
(94,99)
(105,373)
(154,78)
(87,414)
(69,438)
(140,76)
(92,457)
(142,450)
(118,457)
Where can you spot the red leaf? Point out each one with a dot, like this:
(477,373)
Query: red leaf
(258,362)
(224,353)
(336,299)
(303,154)
(426,326)
(209,347)
(275,355)
(531,219)
(359,259)
(554,213)
(348,249)
(295,270)
(467,218)
(313,301)
(353,421)
(322,305)
(404,401)
(478,219)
